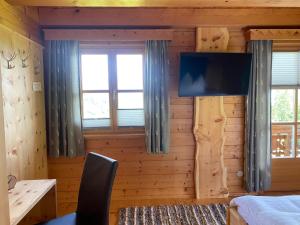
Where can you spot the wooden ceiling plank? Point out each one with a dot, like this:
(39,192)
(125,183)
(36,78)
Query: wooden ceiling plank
(157,3)
(168,17)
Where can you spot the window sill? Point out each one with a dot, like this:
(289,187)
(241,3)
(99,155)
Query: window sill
(287,159)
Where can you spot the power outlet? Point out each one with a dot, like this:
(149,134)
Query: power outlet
(240,173)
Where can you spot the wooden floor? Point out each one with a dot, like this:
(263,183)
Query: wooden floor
(116,205)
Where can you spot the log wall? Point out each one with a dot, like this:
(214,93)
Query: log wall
(144,176)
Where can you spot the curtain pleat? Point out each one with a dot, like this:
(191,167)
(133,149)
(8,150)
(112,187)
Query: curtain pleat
(156,99)
(62,95)
(258,119)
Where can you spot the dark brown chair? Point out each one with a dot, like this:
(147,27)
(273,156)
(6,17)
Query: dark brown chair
(94,194)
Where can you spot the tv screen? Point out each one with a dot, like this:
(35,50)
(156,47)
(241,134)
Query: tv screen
(214,74)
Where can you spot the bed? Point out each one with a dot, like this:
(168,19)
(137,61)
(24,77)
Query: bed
(264,210)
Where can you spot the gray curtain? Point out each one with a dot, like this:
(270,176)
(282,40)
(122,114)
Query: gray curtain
(62,95)
(258,119)
(156,99)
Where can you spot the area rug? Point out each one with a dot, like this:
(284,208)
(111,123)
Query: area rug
(214,214)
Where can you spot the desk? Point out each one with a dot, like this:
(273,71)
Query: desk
(27,195)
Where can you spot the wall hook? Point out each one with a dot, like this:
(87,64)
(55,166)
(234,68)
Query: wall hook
(24,56)
(37,65)
(9,59)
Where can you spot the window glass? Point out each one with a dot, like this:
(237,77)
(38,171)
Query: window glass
(94,72)
(298,106)
(298,141)
(131,100)
(95,123)
(131,117)
(130,72)
(283,105)
(285,68)
(112,89)
(283,141)
(95,105)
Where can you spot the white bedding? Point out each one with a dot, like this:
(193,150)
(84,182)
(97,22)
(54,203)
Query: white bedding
(267,210)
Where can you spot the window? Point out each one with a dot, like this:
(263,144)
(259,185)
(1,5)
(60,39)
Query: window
(112,88)
(285,105)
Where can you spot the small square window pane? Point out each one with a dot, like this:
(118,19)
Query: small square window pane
(131,118)
(95,105)
(283,105)
(285,68)
(94,72)
(93,123)
(132,100)
(283,141)
(130,72)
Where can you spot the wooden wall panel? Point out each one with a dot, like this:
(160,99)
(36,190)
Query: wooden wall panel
(4,207)
(285,175)
(24,116)
(14,22)
(144,176)
(24,20)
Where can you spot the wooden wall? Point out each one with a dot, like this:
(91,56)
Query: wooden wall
(285,175)
(24,116)
(13,105)
(23,109)
(144,176)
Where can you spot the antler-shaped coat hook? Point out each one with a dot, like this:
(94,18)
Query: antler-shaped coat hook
(37,65)
(9,59)
(24,56)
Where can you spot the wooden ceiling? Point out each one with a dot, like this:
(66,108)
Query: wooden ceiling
(158,3)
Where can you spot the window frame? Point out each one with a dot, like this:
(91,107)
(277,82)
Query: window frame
(111,50)
(295,123)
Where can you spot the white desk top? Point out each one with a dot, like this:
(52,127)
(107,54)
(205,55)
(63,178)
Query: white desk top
(25,195)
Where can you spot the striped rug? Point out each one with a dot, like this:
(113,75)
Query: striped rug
(214,214)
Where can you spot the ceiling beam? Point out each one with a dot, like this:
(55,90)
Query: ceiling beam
(273,34)
(108,35)
(151,17)
(158,3)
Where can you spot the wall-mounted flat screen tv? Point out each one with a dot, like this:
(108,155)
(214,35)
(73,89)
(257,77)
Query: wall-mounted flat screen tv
(214,74)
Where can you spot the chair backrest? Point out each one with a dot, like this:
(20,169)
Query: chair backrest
(95,190)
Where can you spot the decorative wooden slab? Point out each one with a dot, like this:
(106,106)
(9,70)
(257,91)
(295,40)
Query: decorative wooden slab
(209,124)
(25,196)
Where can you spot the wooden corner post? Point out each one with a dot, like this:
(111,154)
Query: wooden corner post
(209,123)
(4,204)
